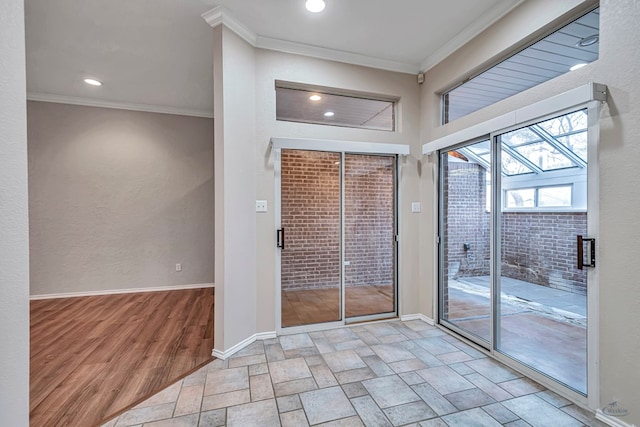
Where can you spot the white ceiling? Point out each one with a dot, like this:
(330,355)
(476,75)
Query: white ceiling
(157,54)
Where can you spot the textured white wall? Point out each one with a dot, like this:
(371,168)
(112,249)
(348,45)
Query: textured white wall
(273,66)
(235,189)
(14,239)
(619,302)
(117,198)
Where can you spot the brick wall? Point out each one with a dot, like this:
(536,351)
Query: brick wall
(466,220)
(537,247)
(311,219)
(540,247)
(369,218)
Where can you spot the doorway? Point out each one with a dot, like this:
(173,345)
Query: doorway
(336,237)
(514,250)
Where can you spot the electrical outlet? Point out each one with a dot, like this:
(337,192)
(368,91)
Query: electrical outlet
(261,205)
(416,207)
(178,267)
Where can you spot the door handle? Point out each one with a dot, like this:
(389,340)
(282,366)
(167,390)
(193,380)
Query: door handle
(280,238)
(591,252)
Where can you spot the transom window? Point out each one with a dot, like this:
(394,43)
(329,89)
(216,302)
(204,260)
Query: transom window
(570,47)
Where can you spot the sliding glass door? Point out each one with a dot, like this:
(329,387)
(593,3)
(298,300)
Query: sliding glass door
(336,237)
(514,248)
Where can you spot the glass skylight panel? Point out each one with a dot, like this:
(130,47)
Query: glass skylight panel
(511,166)
(543,155)
(576,143)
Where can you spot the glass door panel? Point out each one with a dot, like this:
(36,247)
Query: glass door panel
(369,239)
(465,232)
(310,274)
(541,314)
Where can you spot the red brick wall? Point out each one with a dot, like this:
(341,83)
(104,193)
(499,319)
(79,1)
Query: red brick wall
(537,247)
(310,200)
(311,218)
(369,219)
(540,247)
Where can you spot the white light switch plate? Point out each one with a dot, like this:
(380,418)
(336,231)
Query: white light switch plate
(261,206)
(415,207)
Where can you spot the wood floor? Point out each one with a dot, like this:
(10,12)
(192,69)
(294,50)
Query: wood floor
(304,307)
(94,357)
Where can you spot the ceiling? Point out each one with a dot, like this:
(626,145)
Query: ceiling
(156,55)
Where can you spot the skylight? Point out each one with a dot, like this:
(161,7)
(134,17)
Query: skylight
(558,143)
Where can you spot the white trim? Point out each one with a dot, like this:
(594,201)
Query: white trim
(242,344)
(580,95)
(221,15)
(90,102)
(611,420)
(469,33)
(417,316)
(335,55)
(121,291)
(339,146)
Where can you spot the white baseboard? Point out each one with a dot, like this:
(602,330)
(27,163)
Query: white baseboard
(242,344)
(121,291)
(417,316)
(611,420)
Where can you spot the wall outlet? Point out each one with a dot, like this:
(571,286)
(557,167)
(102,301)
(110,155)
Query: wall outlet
(416,207)
(178,267)
(261,205)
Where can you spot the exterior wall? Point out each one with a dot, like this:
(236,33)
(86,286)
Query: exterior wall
(617,191)
(540,248)
(311,220)
(14,227)
(117,198)
(466,220)
(369,218)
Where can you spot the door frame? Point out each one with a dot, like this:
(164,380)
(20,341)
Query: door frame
(343,148)
(590,96)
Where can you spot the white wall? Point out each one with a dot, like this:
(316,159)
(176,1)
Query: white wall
(619,302)
(271,66)
(235,183)
(117,198)
(14,239)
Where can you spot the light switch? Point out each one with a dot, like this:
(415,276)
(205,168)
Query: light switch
(415,207)
(261,206)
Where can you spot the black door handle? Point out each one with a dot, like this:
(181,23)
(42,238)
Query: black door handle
(591,253)
(280,238)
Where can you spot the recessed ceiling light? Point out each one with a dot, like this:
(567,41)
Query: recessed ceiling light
(588,41)
(329,114)
(93,82)
(315,97)
(577,66)
(315,6)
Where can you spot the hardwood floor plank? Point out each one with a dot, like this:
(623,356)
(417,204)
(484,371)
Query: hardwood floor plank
(93,357)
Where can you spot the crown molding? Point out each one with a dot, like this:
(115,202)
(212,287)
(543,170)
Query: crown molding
(476,27)
(221,15)
(89,102)
(335,55)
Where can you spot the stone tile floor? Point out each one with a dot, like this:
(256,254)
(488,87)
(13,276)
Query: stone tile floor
(377,374)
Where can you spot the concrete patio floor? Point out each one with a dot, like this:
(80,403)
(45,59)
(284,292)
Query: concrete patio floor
(541,327)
